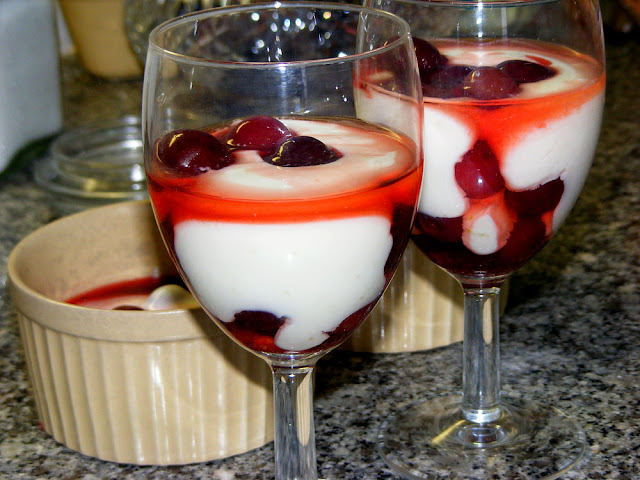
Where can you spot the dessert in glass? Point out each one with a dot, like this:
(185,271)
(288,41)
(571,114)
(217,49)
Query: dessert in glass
(513,100)
(285,210)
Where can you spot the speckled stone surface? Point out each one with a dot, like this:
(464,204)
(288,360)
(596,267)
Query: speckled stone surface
(570,335)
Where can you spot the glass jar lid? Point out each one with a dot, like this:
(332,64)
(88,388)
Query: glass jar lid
(94,166)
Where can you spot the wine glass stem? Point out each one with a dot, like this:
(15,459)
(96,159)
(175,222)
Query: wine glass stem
(481,357)
(295,445)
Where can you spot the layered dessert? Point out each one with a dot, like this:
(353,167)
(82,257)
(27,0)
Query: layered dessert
(287,230)
(510,131)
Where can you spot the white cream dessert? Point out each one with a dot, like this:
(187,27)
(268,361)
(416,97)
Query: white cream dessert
(249,267)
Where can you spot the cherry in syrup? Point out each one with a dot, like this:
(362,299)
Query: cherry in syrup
(478,172)
(302,151)
(523,71)
(430,60)
(527,237)
(536,201)
(442,229)
(192,152)
(260,132)
(489,83)
(447,82)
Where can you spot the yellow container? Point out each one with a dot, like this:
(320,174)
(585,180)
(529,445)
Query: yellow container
(98,33)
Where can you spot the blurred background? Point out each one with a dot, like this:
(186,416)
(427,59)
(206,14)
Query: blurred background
(79,63)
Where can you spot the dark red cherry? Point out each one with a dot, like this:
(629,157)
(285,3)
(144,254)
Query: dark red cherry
(264,323)
(447,83)
(527,237)
(489,83)
(443,229)
(523,71)
(260,132)
(430,59)
(478,173)
(192,152)
(256,330)
(302,151)
(537,201)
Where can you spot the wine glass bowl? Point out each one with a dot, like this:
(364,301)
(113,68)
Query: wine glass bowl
(522,153)
(513,101)
(283,199)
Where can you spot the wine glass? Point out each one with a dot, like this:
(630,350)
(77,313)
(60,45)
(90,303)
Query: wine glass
(513,100)
(284,209)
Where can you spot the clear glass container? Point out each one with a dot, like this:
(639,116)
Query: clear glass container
(94,166)
(140,16)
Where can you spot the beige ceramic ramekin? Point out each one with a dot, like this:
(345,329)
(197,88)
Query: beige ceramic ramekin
(97,28)
(421,309)
(129,386)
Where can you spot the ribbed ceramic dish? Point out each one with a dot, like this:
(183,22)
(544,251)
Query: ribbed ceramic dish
(421,309)
(129,386)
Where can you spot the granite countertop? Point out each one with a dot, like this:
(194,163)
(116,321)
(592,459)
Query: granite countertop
(570,334)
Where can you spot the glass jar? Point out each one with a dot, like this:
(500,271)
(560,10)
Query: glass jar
(141,16)
(94,166)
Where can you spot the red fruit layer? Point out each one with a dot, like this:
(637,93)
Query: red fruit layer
(176,198)
(502,123)
(139,286)
(527,237)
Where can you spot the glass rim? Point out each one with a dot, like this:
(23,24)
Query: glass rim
(193,17)
(478,3)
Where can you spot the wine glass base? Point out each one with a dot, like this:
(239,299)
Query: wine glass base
(432,440)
